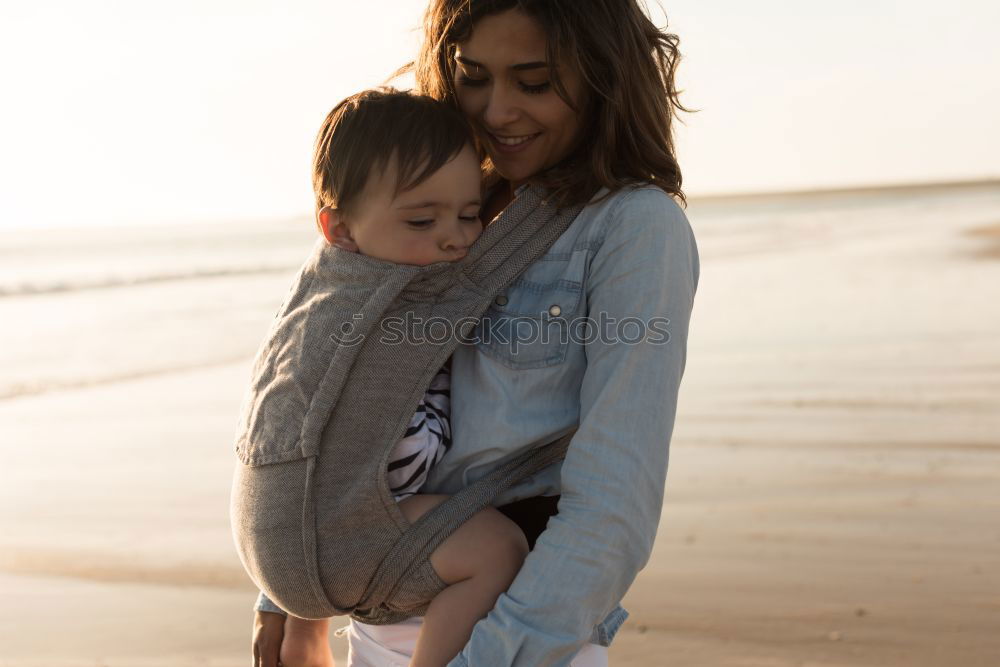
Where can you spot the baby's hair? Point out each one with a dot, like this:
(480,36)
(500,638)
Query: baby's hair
(366,130)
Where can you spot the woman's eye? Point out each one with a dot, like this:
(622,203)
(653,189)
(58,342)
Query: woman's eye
(464,80)
(536,89)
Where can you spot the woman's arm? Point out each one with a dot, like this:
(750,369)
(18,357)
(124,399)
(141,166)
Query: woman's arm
(268,632)
(613,476)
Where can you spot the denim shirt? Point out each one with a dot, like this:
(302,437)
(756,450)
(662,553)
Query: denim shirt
(629,264)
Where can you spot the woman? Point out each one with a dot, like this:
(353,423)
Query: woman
(578,97)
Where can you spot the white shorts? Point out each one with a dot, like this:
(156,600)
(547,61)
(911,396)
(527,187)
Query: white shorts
(392,646)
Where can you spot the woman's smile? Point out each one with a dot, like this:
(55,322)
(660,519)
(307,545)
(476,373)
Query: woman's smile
(509,144)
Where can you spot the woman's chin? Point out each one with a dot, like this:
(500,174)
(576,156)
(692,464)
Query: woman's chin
(513,173)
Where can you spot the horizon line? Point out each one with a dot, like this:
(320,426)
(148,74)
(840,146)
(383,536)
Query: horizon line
(905,186)
(899,186)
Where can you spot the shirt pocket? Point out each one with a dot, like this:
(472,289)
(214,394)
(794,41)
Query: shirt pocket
(528,324)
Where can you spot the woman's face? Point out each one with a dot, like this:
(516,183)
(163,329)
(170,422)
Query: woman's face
(502,80)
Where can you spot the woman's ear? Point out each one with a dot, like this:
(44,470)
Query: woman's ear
(335,230)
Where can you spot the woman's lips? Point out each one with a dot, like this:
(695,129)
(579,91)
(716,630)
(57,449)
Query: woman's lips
(510,144)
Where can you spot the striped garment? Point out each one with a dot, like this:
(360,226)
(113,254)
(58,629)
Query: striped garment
(427,438)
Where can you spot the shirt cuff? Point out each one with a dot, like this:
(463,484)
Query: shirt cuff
(264,604)
(608,628)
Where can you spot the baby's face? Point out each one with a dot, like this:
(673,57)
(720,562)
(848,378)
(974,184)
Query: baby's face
(436,221)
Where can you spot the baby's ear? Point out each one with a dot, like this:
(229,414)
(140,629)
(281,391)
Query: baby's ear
(335,229)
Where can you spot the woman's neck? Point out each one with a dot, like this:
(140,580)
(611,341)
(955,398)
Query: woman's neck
(498,198)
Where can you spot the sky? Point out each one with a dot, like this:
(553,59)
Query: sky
(157,112)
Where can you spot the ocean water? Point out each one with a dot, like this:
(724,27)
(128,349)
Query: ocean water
(83,307)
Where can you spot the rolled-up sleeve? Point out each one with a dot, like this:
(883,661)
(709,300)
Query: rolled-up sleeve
(264,603)
(640,290)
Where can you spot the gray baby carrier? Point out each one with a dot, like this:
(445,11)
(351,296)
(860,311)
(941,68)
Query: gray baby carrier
(334,386)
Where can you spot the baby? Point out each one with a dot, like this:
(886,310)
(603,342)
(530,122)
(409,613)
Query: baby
(396,178)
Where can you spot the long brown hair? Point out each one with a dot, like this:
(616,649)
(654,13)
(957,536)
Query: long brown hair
(627,66)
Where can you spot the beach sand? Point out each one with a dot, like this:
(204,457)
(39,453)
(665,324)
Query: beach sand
(834,482)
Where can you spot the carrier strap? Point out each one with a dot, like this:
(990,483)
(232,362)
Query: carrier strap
(424,536)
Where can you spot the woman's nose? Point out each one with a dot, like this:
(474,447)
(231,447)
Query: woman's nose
(500,108)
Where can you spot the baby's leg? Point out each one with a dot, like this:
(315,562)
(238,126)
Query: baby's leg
(478,562)
(306,643)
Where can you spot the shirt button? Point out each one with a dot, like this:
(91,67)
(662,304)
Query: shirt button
(554,310)
(501,300)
